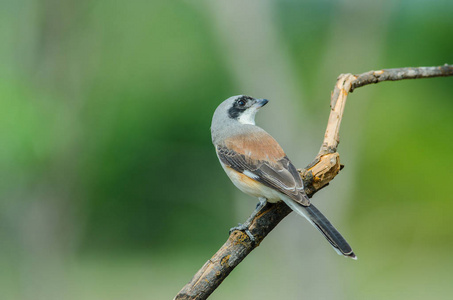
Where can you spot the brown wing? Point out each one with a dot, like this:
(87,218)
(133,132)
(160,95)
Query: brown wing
(280,174)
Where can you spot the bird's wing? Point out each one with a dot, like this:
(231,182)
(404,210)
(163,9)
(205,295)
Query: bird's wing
(279,174)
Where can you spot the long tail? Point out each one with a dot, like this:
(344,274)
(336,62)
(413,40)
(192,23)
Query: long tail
(317,219)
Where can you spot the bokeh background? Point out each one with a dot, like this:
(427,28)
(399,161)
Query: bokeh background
(109,184)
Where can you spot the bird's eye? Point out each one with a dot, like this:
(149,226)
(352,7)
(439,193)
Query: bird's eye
(241,102)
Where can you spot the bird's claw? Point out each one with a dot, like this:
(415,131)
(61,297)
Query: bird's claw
(244,228)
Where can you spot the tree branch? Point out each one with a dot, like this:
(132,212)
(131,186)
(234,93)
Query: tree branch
(316,175)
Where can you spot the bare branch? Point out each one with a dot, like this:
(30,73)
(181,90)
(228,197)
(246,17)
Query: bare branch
(402,73)
(316,175)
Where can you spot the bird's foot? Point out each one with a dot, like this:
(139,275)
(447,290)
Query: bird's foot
(244,228)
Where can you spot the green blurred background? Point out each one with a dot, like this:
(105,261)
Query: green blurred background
(109,184)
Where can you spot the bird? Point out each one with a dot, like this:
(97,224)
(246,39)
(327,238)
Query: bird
(257,165)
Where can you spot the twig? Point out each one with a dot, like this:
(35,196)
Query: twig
(316,175)
(399,74)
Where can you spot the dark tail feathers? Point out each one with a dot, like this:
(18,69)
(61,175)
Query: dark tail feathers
(315,217)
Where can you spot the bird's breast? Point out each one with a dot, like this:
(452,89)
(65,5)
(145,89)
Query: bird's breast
(250,186)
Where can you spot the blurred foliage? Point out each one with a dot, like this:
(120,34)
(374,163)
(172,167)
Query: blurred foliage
(105,142)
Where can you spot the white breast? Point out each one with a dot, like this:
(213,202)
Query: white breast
(247,183)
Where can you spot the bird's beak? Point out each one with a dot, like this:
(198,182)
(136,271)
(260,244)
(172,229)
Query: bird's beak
(261,102)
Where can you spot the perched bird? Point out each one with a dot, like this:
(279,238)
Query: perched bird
(259,167)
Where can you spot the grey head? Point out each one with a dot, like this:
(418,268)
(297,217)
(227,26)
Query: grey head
(234,116)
